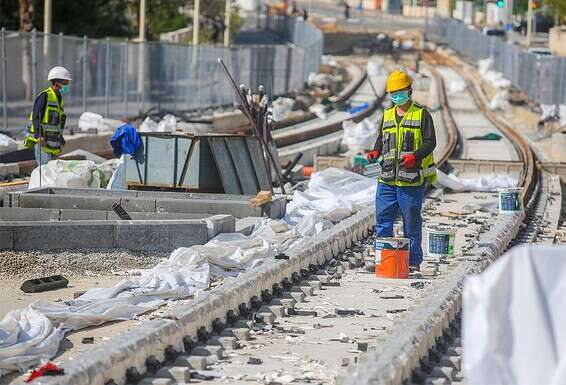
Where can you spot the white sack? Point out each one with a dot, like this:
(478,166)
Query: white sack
(500,100)
(281,107)
(457,86)
(118,179)
(66,173)
(319,110)
(562,111)
(328,59)
(90,120)
(27,338)
(548,111)
(7,144)
(107,170)
(359,137)
(513,319)
(167,124)
(484,65)
(488,182)
(375,68)
(148,125)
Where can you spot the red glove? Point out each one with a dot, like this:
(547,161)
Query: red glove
(47,369)
(409,160)
(372,156)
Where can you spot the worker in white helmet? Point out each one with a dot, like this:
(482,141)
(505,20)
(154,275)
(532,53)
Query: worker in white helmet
(47,120)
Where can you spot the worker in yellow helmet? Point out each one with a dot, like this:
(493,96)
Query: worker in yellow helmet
(404,149)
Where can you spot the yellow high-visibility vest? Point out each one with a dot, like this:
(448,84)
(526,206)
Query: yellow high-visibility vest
(400,139)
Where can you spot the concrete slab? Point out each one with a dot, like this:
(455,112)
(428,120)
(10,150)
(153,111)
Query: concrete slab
(6,238)
(246,225)
(150,235)
(28,214)
(61,235)
(160,235)
(53,201)
(84,215)
(91,199)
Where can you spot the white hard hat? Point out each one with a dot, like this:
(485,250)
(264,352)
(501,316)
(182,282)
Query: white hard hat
(59,72)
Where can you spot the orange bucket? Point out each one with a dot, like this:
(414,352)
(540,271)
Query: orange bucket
(307,171)
(392,258)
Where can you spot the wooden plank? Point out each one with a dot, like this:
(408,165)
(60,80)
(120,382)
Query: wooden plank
(225,165)
(256,155)
(244,167)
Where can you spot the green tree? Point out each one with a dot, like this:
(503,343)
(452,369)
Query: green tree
(558,8)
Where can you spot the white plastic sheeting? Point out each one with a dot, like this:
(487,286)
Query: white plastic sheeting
(332,195)
(27,337)
(513,319)
(361,136)
(7,144)
(489,182)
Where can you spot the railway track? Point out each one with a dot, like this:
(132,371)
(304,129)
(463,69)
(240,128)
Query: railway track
(320,316)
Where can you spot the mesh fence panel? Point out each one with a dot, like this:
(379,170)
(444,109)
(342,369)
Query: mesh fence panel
(541,77)
(118,79)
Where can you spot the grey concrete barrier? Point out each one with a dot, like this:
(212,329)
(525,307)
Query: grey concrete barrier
(148,235)
(85,199)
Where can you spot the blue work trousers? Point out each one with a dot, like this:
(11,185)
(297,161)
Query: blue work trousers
(408,199)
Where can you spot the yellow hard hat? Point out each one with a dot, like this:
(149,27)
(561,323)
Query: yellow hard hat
(398,80)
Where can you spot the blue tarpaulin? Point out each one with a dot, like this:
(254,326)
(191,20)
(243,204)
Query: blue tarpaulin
(126,140)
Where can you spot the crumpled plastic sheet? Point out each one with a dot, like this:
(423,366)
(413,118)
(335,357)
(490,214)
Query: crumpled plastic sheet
(332,195)
(27,337)
(513,319)
(489,182)
(7,144)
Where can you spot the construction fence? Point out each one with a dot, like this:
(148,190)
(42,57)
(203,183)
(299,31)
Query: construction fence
(121,78)
(541,77)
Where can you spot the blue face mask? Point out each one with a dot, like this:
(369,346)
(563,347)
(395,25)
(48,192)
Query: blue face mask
(400,97)
(64,89)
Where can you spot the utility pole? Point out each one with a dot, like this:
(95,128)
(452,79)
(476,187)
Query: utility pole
(141,51)
(142,20)
(196,13)
(529,23)
(47,17)
(227,15)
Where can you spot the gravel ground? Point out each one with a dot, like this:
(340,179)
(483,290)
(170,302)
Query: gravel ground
(73,263)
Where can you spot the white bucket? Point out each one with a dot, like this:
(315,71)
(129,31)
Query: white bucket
(441,241)
(510,200)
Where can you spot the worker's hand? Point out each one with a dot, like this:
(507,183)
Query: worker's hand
(409,160)
(41,141)
(372,156)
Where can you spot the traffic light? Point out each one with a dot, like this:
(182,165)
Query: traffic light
(500,3)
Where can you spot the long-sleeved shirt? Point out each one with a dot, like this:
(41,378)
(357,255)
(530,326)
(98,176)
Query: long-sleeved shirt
(427,133)
(39,110)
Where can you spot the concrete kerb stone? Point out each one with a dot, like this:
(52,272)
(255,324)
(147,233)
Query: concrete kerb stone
(63,198)
(152,235)
(131,348)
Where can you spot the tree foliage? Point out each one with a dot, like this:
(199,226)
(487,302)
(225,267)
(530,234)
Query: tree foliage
(558,8)
(114,18)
